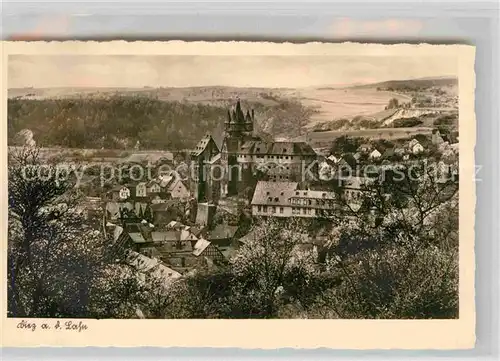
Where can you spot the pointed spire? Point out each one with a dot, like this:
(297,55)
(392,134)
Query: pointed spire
(240,117)
(228,116)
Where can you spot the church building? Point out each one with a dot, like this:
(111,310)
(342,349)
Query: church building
(245,158)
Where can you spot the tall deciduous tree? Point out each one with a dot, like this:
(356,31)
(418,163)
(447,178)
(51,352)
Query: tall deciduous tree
(57,265)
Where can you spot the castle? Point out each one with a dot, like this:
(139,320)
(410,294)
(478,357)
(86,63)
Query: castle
(245,158)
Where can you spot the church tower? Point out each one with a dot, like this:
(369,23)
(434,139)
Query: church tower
(238,128)
(238,124)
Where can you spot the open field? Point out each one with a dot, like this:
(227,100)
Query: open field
(276,115)
(337,103)
(323,139)
(329,103)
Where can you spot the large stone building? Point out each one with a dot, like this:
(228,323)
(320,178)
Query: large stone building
(245,158)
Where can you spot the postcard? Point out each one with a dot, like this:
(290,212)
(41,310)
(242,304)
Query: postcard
(238,194)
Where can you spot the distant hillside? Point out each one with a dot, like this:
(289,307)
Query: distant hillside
(413,84)
(123,121)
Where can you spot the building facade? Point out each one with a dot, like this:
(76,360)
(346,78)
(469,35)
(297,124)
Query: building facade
(285,199)
(245,158)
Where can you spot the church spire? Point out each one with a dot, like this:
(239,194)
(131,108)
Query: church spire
(240,117)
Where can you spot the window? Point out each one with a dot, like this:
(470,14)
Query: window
(276,199)
(270,199)
(281,210)
(304,210)
(264,208)
(296,193)
(267,193)
(273,209)
(310,202)
(259,208)
(282,193)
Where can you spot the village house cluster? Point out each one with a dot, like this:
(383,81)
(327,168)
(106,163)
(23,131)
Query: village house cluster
(175,226)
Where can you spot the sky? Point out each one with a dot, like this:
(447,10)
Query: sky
(45,71)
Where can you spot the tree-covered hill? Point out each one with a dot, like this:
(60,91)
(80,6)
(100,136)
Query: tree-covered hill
(120,121)
(114,122)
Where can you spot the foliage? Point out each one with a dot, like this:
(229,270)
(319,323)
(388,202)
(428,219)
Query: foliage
(114,122)
(391,253)
(393,103)
(407,122)
(345,144)
(58,266)
(384,254)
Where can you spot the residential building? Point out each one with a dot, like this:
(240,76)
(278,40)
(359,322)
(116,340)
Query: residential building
(375,154)
(204,187)
(415,147)
(285,199)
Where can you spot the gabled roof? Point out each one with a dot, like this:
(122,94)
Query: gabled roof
(202,144)
(200,246)
(277,191)
(152,182)
(222,231)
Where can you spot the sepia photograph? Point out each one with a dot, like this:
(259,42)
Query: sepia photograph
(226,186)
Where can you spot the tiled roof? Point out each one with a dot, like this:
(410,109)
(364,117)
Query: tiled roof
(137,237)
(200,246)
(215,158)
(167,236)
(313,194)
(273,192)
(222,231)
(277,148)
(152,266)
(202,144)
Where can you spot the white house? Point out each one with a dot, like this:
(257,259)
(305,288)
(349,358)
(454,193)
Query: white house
(177,189)
(124,193)
(153,187)
(140,190)
(415,147)
(333,158)
(375,154)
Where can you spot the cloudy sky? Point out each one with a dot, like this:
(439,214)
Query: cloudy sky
(249,71)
